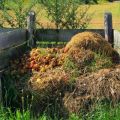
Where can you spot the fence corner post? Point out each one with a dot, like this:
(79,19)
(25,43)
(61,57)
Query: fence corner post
(108,27)
(31,29)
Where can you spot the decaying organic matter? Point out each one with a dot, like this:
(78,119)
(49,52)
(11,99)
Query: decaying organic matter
(98,86)
(94,42)
(74,77)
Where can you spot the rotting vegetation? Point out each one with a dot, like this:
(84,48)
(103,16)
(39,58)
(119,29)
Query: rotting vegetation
(69,79)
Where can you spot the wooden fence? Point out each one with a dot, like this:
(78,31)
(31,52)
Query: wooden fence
(61,35)
(11,40)
(9,43)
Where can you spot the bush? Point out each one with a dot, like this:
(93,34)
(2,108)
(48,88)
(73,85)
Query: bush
(14,13)
(90,1)
(67,14)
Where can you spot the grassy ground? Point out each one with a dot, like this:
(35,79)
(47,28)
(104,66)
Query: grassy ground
(99,10)
(100,112)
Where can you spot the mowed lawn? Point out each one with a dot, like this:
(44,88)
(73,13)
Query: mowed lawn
(99,10)
(97,19)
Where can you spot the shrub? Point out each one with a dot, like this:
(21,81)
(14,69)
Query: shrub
(67,14)
(14,13)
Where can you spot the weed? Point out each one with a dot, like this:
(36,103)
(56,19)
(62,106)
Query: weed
(70,67)
(100,61)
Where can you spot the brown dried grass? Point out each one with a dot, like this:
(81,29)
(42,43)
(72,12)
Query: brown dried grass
(81,56)
(45,83)
(47,89)
(54,84)
(92,41)
(98,86)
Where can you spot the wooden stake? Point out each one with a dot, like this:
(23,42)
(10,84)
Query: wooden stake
(31,29)
(108,27)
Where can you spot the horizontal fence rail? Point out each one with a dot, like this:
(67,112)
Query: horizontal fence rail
(61,35)
(3,30)
(117,40)
(12,38)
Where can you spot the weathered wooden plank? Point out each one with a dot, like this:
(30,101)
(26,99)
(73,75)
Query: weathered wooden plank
(108,27)
(0,88)
(3,30)
(12,38)
(60,35)
(31,29)
(11,53)
(3,60)
(117,40)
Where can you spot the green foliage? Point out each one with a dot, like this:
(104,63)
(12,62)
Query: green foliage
(7,114)
(69,64)
(74,117)
(99,112)
(67,14)
(100,61)
(13,90)
(15,12)
(90,1)
(103,1)
(70,67)
(104,112)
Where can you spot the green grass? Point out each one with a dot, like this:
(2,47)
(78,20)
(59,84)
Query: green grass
(104,112)
(100,62)
(45,44)
(99,112)
(100,9)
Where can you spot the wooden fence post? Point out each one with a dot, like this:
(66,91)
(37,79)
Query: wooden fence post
(0,87)
(31,29)
(108,27)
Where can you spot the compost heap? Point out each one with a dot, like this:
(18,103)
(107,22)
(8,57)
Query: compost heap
(78,86)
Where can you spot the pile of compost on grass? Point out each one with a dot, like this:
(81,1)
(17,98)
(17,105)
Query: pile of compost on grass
(86,53)
(94,42)
(71,78)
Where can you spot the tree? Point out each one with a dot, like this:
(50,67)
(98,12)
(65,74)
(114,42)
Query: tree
(15,12)
(67,13)
(2,4)
(90,1)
